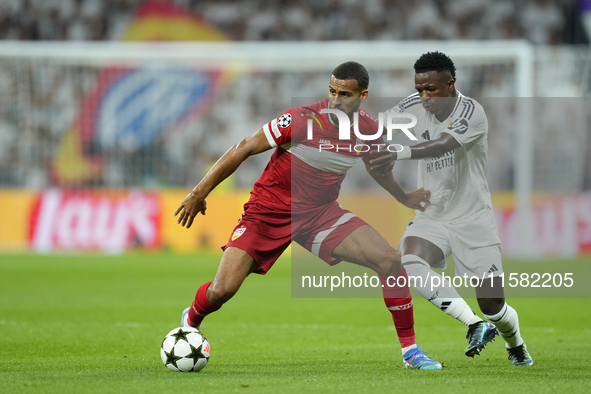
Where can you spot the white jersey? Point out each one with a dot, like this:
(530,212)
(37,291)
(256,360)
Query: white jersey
(458,179)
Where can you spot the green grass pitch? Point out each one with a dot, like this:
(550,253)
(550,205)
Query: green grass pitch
(93,324)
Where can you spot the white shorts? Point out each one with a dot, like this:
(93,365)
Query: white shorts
(473,242)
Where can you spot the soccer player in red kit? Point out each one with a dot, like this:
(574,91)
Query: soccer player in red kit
(295,200)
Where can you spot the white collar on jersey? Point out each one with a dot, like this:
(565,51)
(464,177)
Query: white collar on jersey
(459,97)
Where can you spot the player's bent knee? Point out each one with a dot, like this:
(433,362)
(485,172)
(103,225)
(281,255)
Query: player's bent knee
(219,294)
(390,265)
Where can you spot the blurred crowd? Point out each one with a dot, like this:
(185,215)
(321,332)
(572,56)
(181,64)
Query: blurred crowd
(540,21)
(40,99)
(41,102)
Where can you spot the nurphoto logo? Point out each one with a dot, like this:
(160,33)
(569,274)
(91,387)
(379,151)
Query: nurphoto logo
(359,146)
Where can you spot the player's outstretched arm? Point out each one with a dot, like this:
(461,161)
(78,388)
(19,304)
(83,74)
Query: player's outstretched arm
(445,143)
(419,199)
(195,202)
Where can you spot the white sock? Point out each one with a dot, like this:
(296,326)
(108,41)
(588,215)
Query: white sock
(406,349)
(444,296)
(507,323)
(460,310)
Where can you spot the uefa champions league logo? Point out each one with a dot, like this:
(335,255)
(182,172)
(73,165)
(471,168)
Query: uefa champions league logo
(359,147)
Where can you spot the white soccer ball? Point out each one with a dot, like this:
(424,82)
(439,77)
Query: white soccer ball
(185,349)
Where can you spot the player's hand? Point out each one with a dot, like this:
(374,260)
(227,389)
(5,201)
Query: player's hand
(383,160)
(419,199)
(189,208)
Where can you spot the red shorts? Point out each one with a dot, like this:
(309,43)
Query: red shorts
(264,234)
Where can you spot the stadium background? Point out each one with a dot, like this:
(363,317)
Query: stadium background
(103,131)
(83,141)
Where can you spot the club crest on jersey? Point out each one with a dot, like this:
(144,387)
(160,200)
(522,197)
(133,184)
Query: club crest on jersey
(459,126)
(359,144)
(284,120)
(237,233)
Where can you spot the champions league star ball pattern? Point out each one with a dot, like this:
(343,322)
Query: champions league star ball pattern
(284,120)
(185,349)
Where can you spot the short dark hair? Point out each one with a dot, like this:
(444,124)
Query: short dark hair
(353,70)
(435,61)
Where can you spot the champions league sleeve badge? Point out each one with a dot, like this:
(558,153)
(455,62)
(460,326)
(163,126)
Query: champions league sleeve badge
(284,120)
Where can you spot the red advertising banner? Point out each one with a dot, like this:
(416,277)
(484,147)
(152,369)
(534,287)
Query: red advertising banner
(559,226)
(114,221)
(103,221)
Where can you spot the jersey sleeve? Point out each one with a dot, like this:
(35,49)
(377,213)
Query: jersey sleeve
(278,130)
(468,123)
(397,108)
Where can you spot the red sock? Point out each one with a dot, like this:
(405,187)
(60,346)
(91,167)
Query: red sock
(399,303)
(201,307)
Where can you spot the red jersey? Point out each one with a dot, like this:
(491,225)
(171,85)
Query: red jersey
(306,172)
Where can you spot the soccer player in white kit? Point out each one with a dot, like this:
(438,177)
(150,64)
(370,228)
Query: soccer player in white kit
(452,133)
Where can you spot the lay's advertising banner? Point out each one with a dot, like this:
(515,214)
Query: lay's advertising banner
(111,221)
(132,107)
(114,221)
